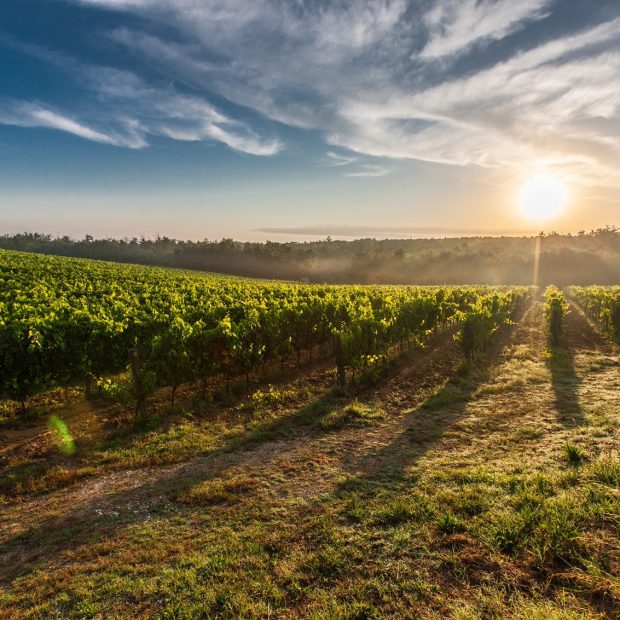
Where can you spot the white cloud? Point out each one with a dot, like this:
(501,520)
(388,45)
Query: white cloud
(529,107)
(456,25)
(129,111)
(377,78)
(337,159)
(244,143)
(369,170)
(29,114)
(355,165)
(47,118)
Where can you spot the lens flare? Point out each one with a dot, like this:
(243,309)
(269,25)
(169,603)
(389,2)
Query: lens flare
(63,436)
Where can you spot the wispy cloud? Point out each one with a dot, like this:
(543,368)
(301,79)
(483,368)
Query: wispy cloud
(355,165)
(456,25)
(30,114)
(377,78)
(123,110)
(369,170)
(337,159)
(558,102)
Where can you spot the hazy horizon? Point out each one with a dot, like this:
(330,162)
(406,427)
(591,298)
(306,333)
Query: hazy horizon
(283,234)
(312,234)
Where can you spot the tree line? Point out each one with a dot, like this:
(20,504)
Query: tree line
(585,258)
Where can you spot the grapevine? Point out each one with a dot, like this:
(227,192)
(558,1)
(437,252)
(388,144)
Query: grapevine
(64,321)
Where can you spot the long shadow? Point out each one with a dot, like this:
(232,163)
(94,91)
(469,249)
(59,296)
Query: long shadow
(578,335)
(89,523)
(427,423)
(565,383)
(425,426)
(95,519)
(102,517)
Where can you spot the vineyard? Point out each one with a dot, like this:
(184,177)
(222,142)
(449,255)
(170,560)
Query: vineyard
(177,444)
(555,314)
(65,321)
(602,303)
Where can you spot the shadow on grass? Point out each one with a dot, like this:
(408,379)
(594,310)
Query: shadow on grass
(565,383)
(423,428)
(428,422)
(579,335)
(103,516)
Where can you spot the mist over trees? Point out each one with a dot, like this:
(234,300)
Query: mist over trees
(586,258)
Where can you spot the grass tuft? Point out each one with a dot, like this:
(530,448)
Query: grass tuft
(402,510)
(606,471)
(574,454)
(449,523)
(355,414)
(218,491)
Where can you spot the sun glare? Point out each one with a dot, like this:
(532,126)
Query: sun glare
(542,198)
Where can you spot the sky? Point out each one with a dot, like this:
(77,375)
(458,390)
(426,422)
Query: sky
(298,119)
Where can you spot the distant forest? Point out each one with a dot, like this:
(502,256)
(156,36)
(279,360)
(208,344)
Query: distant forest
(585,258)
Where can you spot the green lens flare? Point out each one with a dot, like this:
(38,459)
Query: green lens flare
(67,445)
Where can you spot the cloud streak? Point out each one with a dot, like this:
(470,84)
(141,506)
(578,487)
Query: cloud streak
(355,165)
(456,25)
(30,114)
(369,170)
(121,109)
(461,82)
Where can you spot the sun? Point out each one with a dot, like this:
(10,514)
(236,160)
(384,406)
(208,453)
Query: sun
(542,198)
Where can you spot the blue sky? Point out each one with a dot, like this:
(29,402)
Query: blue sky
(296,119)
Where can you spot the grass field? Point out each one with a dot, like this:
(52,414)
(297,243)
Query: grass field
(435,490)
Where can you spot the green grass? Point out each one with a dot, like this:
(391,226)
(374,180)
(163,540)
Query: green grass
(35,478)
(606,471)
(574,454)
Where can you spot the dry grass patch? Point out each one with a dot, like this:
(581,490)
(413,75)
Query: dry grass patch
(354,414)
(219,491)
(32,478)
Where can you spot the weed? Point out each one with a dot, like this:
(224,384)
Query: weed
(470,501)
(506,534)
(574,454)
(402,510)
(270,397)
(396,512)
(328,562)
(354,510)
(449,523)
(555,532)
(120,390)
